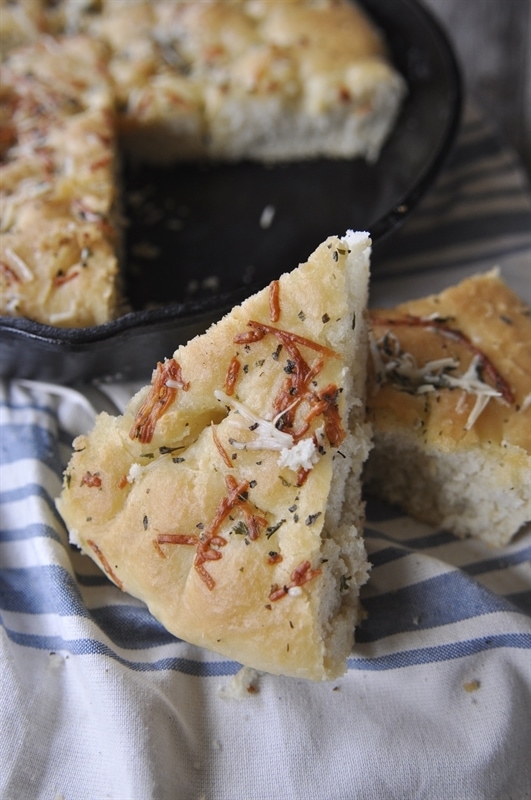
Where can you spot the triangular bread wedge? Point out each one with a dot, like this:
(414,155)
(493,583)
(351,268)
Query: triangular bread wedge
(227,497)
(449,400)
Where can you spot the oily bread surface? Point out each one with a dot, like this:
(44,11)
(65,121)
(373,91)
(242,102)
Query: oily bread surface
(268,81)
(163,82)
(179,480)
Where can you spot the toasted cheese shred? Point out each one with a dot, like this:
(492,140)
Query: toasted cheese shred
(274,301)
(167,378)
(296,387)
(260,329)
(219,447)
(209,542)
(231,377)
(105,564)
(91,479)
(299,576)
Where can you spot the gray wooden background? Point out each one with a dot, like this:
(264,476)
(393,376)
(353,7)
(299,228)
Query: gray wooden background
(492,40)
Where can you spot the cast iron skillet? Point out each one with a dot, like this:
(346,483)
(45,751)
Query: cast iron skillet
(195,245)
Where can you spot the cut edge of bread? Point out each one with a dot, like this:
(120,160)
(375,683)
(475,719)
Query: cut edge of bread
(466,492)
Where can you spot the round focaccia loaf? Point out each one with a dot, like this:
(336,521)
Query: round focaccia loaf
(227,497)
(165,82)
(449,400)
(219,79)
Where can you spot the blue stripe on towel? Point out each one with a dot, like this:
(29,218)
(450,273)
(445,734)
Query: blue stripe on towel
(441,600)
(47,589)
(35,530)
(207,668)
(443,652)
(18,442)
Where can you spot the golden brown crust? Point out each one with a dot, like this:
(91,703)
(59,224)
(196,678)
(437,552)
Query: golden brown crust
(247,79)
(255,80)
(210,499)
(25,21)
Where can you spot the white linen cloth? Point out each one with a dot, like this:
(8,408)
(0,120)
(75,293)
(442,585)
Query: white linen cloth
(98,701)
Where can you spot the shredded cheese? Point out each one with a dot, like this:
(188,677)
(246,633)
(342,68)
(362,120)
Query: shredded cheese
(135,472)
(23,271)
(301,455)
(267,435)
(401,368)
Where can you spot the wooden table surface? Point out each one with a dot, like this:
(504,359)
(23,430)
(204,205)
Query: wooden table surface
(492,40)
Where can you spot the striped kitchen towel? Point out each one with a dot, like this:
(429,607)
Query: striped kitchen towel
(98,701)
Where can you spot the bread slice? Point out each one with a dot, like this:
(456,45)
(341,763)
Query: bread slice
(449,400)
(59,233)
(227,496)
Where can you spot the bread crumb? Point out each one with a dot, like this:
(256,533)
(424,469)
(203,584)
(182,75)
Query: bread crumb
(472,686)
(55,661)
(243,683)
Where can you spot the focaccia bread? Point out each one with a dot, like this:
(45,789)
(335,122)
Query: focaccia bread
(267,80)
(234,79)
(228,495)
(449,400)
(59,233)
(166,82)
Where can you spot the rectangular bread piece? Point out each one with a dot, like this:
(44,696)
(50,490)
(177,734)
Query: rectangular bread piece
(267,80)
(449,400)
(165,82)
